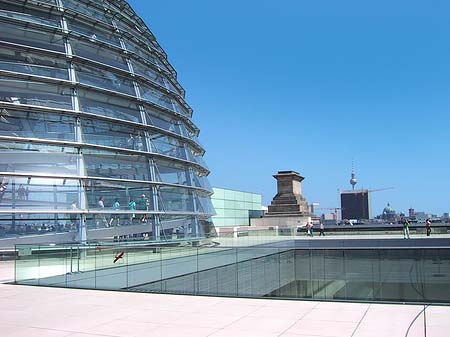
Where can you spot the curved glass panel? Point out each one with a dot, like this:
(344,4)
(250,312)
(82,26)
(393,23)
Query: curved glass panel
(119,166)
(200,180)
(154,96)
(31,37)
(204,204)
(17,123)
(34,93)
(176,199)
(104,79)
(94,32)
(38,159)
(167,146)
(25,193)
(152,75)
(180,225)
(33,64)
(92,51)
(112,134)
(171,173)
(18,12)
(108,105)
(195,157)
(13,225)
(163,121)
(90,11)
(102,195)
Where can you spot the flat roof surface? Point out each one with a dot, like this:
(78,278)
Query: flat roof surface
(39,311)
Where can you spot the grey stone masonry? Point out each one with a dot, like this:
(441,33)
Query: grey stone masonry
(289,199)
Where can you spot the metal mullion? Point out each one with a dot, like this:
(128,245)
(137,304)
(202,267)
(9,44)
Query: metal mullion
(156,225)
(60,5)
(82,202)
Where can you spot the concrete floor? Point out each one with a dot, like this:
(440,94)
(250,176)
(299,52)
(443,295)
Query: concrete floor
(36,311)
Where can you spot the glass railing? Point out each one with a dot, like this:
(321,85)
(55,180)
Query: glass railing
(374,274)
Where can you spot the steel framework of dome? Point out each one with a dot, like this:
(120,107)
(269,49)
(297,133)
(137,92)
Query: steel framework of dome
(94,129)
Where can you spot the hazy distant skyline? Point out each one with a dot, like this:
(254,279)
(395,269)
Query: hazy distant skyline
(311,85)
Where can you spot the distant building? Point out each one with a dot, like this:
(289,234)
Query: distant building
(355,205)
(421,216)
(389,214)
(412,213)
(329,218)
(235,208)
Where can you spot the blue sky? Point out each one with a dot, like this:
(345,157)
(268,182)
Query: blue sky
(310,85)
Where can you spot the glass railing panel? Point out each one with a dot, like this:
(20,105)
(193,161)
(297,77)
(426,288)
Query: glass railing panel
(318,281)
(303,273)
(335,274)
(217,272)
(287,282)
(111,272)
(434,271)
(144,267)
(178,269)
(52,265)
(27,264)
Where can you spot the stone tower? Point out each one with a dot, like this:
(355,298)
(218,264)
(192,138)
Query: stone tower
(289,200)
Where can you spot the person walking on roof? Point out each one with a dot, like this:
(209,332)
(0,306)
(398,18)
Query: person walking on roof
(132,208)
(115,216)
(406,229)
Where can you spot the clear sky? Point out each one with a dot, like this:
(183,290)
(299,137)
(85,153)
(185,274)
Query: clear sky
(310,85)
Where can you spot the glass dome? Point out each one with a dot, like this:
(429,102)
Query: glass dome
(95,133)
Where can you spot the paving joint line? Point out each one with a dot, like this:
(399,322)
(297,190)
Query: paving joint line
(303,316)
(359,323)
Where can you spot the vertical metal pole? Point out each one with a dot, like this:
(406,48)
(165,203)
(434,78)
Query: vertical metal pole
(425,320)
(78,259)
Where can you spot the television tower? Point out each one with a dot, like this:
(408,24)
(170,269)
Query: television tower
(353,180)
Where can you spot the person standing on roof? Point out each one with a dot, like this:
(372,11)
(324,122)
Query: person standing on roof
(428,226)
(321,229)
